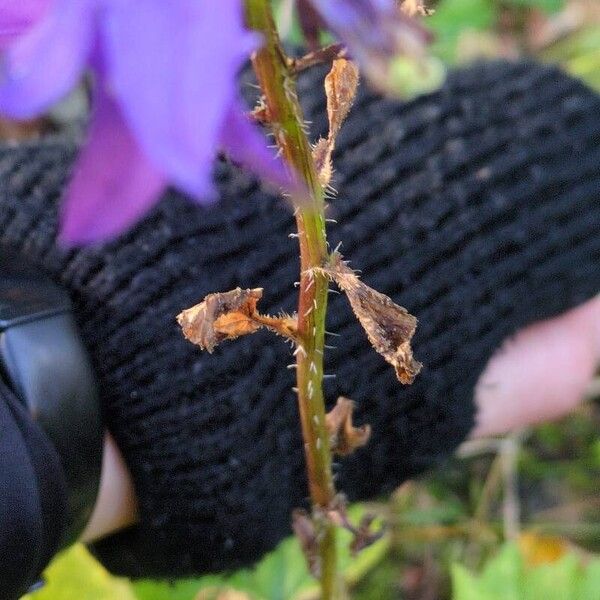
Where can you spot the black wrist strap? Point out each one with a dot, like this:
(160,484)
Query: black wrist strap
(43,361)
(33,498)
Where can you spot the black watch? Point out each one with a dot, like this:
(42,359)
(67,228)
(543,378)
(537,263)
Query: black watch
(43,360)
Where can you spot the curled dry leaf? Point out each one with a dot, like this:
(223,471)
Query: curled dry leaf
(228,315)
(305,531)
(345,438)
(341,84)
(389,327)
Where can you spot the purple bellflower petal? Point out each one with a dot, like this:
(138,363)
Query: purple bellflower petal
(173,69)
(46,62)
(247,145)
(375,31)
(166,99)
(17,16)
(113,183)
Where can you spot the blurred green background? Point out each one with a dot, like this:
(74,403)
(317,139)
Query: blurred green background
(517,518)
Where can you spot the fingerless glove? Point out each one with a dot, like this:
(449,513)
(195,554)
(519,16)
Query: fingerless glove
(476,207)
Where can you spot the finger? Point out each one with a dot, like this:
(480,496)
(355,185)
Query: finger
(116,505)
(541,373)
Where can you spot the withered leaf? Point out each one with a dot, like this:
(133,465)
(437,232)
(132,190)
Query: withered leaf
(389,327)
(232,311)
(322,156)
(305,531)
(341,84)
(229,315)
(345,438)
(362,536)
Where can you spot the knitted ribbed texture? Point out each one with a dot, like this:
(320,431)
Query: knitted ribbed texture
(476,207)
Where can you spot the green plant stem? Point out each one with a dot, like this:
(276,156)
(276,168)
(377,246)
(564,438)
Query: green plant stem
(272,69)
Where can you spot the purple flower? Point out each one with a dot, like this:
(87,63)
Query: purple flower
(165,99)
(16,16)
(375,31)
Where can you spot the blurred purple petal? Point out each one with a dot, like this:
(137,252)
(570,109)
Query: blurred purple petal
(166,77)
(113,183)
(173,68)
(17,16)
(375,31)
(247,145)
(46,62)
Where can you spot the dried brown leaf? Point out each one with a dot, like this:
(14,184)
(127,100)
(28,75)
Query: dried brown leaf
(322,156)
(228,315)
(389,327)
(305,531)
(345,438)
(341,84)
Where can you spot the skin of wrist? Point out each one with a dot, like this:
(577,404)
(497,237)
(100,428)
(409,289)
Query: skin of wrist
(116,504)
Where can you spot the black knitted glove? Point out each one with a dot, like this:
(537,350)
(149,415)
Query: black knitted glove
(476,207)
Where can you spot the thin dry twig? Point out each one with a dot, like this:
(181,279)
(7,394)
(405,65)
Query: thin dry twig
(320,56)
(511,507)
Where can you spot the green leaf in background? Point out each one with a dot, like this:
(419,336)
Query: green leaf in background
(76,575)
(501,578)
(549,6)
(287,24)
(579,54)
(410,77)
(452,18)
(507,577)
(281,575)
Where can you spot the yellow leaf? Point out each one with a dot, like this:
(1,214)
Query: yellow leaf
(538,549)
(75,575)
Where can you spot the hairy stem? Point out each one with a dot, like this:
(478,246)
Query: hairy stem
(277,82)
